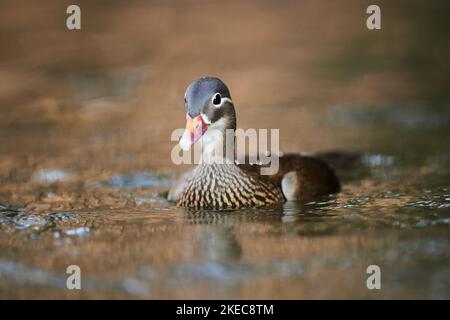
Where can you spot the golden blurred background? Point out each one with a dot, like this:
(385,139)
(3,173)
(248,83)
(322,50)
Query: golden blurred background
(109,95)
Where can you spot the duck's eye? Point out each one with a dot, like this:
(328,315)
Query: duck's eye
(217,99)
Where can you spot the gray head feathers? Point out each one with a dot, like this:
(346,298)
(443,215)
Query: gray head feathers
(200,93)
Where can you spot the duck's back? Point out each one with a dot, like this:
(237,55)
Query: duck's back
(300,177)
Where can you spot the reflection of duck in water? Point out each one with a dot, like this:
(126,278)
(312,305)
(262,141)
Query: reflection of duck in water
(220,244)
(224,184)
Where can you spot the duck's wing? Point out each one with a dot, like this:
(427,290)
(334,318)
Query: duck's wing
(300,177)
(336,160)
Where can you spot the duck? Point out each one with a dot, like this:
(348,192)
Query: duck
(219,182)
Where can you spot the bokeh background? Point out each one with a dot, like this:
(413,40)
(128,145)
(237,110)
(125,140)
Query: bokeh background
(85,124)
(111,94)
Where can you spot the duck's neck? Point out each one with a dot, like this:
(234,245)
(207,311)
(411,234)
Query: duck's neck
(217,144)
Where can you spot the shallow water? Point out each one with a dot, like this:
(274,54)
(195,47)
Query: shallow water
(85,152)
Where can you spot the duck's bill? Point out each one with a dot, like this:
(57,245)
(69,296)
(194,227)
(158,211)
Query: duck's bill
(195,128)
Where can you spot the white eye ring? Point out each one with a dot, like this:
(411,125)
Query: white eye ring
(222,100)
(217,100)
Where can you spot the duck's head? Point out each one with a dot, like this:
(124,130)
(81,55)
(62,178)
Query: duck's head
(208,108)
